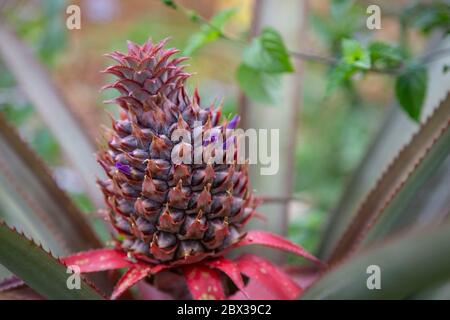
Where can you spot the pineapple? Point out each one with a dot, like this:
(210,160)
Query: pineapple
(172,215)
(166,211)
(176,209)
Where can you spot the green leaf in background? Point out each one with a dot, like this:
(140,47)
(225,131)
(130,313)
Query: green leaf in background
(345,19)
(17,114)
(354,58)
(260,86)
(385,54)
(340,7)
(54,35)
(339,74)
(354,54)
(268,53)
(209,32)
(170,4)
(306,229)
(411,88)
(408,264)
(39,269)
(429,17)
(45,145)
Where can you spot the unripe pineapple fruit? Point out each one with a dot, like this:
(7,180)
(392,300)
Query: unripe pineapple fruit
(164,210)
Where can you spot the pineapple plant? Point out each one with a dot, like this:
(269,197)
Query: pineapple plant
(174,223)
(167,214)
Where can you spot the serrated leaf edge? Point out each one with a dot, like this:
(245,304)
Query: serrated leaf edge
(28,156)
(49,253)
(366,224)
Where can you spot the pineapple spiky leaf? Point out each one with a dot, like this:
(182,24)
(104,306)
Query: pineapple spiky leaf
(229,268)
(42,208)
(262,284)
(416,162)
(397,214)
(98,260)
(409,263)
(271,240)
(42,93)
(35,266)
(112,259)
(21,293)
(130,278)
(11,282)
(204,283)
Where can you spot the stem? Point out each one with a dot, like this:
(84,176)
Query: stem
(312,57)
(203,21)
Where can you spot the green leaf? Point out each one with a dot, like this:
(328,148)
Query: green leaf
(339,26)
(45,145)
(429,17)
(53,37)
(170,4)
(354,58)
(339,74)
(411,88)
(268,53)
(408,264)
(222,17)
(38,268)
(354,54)
(208,33)
(385,54)
(259,86)
(340,7)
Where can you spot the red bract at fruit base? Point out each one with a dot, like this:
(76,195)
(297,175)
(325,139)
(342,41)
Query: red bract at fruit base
(177,216)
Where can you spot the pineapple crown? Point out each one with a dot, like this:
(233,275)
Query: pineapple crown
(146,71)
